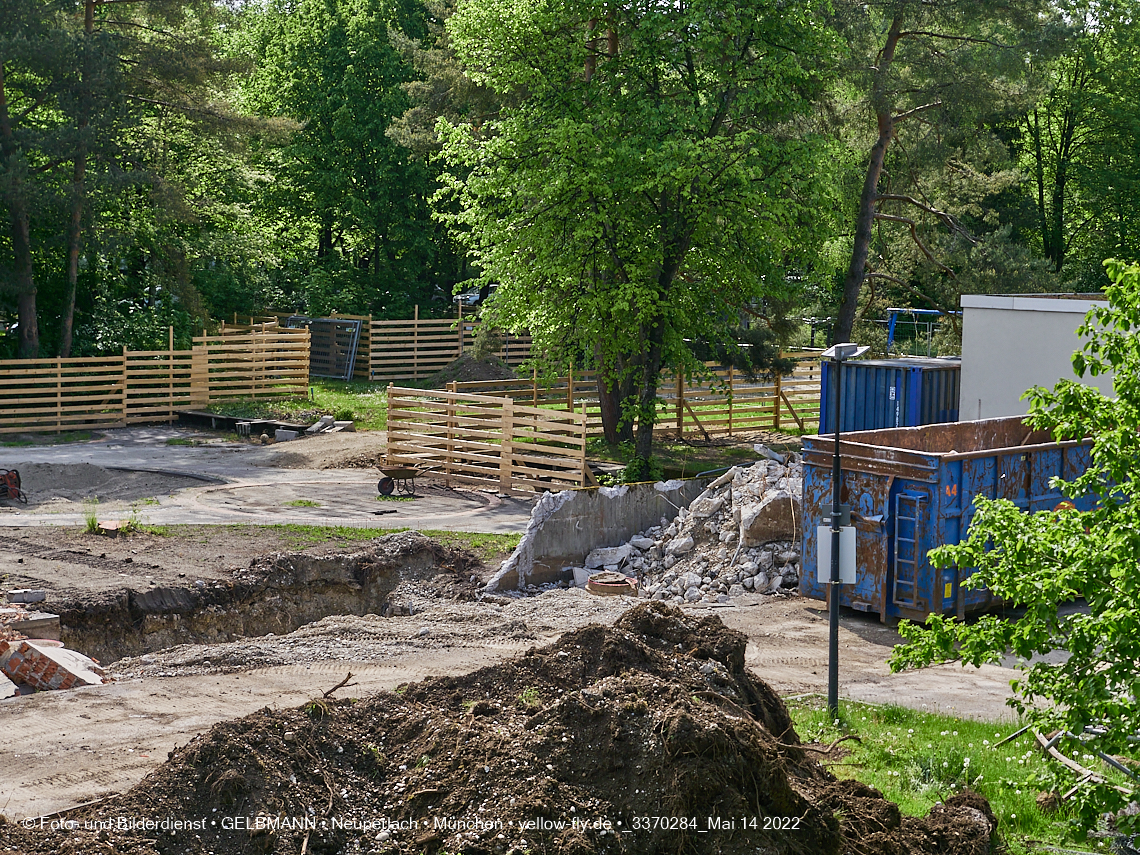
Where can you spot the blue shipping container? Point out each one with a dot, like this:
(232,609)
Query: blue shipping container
(911,490)
(888,393)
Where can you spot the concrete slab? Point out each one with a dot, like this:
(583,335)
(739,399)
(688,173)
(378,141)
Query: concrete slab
(7,688)
(38,625)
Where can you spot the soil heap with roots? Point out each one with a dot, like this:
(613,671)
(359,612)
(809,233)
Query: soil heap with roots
(647,737)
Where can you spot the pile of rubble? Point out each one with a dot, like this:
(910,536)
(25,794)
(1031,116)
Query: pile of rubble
(37,664)
(646,737)
(740,537)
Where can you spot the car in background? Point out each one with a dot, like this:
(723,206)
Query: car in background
(470,297)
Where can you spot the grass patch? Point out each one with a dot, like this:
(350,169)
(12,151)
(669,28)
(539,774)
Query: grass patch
(918,759)
(486,547)
(364,403)
(23,441)
(302,503)
(91,516)
(380,498)
(181,440)
(678,459)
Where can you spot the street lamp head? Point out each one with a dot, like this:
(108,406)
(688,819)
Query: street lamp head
(847,350)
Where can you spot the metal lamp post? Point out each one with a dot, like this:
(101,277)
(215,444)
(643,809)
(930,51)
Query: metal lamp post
(837,353)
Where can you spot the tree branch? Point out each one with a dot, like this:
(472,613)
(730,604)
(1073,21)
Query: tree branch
(918,241)
(902,117)
(948,37)
(947,219)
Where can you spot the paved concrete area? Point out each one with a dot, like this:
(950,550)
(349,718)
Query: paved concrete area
(245,483)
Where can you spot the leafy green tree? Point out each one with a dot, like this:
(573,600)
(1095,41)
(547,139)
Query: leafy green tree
(1081,146)
(342,187)
(933,76)
(649,174)
(1040,562)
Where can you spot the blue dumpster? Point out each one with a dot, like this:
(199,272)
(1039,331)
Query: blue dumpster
(888,393)
(911,490)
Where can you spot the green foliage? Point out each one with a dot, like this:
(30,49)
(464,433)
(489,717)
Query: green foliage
(917,758)
(642,469)
(638,186)
(91,516)
(1040,562)
(302,503)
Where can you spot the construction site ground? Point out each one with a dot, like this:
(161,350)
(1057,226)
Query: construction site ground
(66,748)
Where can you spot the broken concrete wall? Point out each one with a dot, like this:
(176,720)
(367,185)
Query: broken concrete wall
(567,526)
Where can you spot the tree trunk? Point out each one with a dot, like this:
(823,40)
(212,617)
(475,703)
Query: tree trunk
(78,177)
(23,279)
(74,233)
(614,386)
(647,402)
(865,220)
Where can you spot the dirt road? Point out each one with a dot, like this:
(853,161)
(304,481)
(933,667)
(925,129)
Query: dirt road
(77,746)
(65,748)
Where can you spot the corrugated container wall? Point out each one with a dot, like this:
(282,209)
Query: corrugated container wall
(888,393)
(913,489)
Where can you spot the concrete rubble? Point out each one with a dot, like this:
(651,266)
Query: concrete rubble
(737,539)
(41,662)
(44,665)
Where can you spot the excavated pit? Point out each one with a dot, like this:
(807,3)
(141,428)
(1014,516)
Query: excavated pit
(276,594)
(649,736)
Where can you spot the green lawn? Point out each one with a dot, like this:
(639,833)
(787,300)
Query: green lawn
(919,758)
(362,402)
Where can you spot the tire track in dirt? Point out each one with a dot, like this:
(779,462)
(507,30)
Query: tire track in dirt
(129,727)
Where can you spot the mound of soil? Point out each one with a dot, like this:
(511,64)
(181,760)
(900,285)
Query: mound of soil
(77,482)
(467,369)
(647,737)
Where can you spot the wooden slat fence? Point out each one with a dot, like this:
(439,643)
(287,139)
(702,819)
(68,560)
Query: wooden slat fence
(706,407)
(418,348)
(486,439)
(54,395)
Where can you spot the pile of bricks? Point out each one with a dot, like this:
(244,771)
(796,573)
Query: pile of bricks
(42,666)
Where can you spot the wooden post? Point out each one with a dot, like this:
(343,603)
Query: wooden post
(534,383)
(170,375)
(776,414)
(680,404)
(124,387)
(388,429)
(570,391)
(505,452)
(731,396)
(58,394)
(416,342)
(450,451)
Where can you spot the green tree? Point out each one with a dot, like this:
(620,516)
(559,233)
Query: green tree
(933,76)
(341,185)
(1040,562)
(650,173)
(1081,146)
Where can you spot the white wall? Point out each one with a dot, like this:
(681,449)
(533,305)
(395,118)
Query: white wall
(1012,343)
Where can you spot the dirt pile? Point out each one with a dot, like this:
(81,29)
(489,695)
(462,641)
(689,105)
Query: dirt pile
(738,539)
(646,737)
(78,482)
(467,369)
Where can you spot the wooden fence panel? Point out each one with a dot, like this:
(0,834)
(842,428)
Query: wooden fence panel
(61,394)
(724,403)
(486,439)
(414,350)
(273,364)
(38,395)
